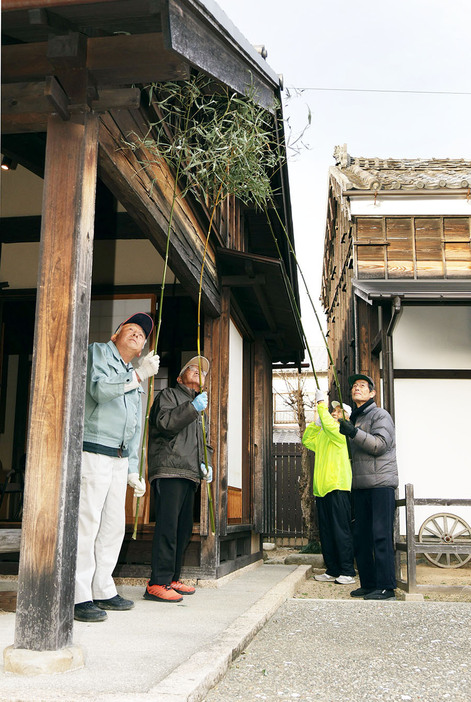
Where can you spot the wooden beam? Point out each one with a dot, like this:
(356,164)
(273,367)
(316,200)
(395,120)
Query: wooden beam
(46,584)
(118,225)
(112,61)
(45,97)
(56,97)
(208,49)
(40,17)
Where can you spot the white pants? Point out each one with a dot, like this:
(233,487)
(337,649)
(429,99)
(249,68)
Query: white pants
(101,525)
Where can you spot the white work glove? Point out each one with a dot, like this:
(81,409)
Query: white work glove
(320,395)
(206,473)
(139,484)
(149,366)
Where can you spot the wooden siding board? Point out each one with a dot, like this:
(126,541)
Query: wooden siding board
(456,228)
(412,247)
(400,250)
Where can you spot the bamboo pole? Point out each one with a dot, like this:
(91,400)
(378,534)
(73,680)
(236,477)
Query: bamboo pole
(334,370)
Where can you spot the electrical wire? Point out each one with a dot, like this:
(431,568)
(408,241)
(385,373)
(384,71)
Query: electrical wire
(374,90)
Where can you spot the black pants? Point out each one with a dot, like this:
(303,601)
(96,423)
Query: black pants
(334,512)
(174,498)
(373,511)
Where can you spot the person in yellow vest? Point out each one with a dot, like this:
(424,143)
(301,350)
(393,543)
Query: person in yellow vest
(332,485)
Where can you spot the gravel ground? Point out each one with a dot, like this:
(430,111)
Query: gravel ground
(427,574)
(350,651)
(430,575)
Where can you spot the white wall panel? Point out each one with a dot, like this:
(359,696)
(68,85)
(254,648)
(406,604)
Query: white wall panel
(433,442)
(433,337)
(394,205)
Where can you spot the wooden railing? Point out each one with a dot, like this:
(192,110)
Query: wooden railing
(412,546)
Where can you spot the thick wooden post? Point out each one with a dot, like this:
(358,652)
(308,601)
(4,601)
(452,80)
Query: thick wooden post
(44,618)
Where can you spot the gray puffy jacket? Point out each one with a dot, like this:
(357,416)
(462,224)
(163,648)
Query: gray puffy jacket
(373,450)
(175,447)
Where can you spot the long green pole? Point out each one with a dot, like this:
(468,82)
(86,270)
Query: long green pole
(334,370)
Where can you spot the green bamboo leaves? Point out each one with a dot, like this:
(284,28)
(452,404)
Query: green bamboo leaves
(220,143)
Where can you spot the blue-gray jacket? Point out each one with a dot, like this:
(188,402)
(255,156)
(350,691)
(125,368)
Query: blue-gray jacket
(113,418)
(373,450)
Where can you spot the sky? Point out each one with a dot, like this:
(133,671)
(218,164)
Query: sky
(389,70)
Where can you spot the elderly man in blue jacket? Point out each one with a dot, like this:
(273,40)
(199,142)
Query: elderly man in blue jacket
(112,434)
(373,450)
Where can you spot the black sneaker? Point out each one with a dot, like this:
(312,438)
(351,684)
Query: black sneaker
(361,592)
(116,603)
(381,595)
(89,612)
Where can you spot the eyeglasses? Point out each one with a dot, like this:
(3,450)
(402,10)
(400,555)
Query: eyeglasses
(195,369)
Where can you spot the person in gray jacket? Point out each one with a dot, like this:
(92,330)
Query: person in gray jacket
(111,440)
(175,468)
(372,442)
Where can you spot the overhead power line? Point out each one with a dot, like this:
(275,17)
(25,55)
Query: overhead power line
(373,90)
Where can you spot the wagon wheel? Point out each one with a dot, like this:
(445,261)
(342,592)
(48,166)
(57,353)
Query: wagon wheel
(446,528)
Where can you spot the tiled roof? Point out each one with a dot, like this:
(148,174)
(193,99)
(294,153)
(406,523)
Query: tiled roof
(359,173)
(286,436)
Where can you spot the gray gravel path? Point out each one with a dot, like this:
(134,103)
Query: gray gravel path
(349,651)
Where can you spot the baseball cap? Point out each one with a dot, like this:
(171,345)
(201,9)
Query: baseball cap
(142,319)
(360,376)
(346,408)
(195,362)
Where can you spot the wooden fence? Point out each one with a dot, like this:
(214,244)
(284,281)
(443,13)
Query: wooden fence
(288,520)
(444,543)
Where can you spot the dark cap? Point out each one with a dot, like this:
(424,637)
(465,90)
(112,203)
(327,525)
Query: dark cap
(359,376)
(142,319)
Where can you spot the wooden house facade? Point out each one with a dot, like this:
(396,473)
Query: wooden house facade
(82,246)
(396,288)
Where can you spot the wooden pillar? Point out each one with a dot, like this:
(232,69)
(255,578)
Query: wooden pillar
(263,473)
(44,618)
(216,349)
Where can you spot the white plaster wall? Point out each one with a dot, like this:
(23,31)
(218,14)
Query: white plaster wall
(123,262)
(234,428)
(128,262)
(434,337)
(393,205)
(433,444)
(19,265)
(21,193)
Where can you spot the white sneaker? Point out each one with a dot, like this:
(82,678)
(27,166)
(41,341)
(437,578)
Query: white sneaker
(345,580)
(324,578)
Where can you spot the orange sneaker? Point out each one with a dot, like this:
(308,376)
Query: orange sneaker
(161,593)
(181,588)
